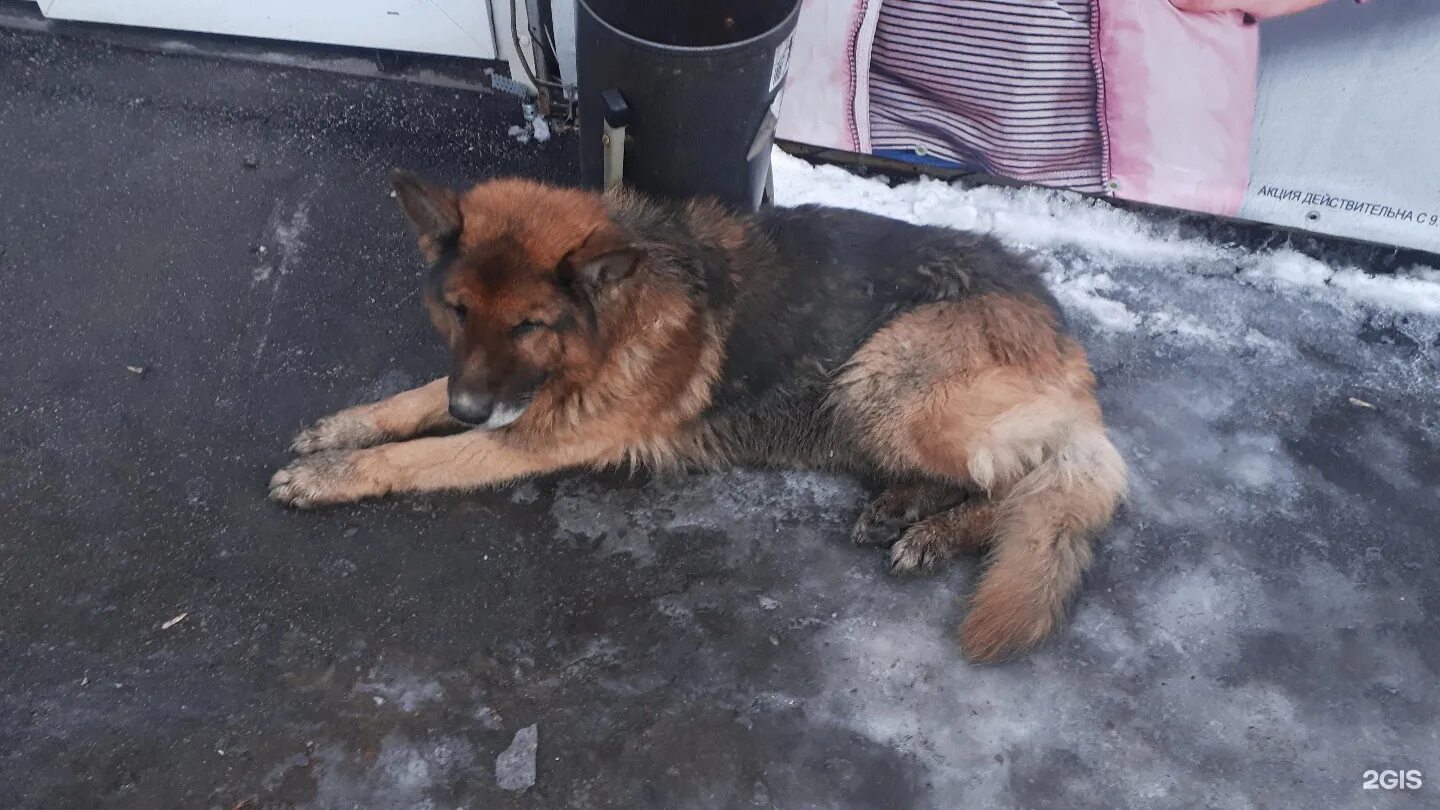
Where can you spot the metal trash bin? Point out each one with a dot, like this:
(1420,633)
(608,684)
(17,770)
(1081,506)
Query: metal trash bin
(680,97)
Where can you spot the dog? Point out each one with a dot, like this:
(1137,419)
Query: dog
(591,330)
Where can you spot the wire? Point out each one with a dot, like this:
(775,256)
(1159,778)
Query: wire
(520,53)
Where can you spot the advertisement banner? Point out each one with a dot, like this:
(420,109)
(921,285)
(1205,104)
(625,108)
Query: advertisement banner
(1302,113)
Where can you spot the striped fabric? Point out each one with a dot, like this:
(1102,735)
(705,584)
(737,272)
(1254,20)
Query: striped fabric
(1005,87)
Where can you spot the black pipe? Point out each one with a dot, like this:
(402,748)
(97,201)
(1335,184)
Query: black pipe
(699,79)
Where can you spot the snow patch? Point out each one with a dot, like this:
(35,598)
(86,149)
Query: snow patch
(401,688)
(515,766)
(1051,220)
(1083,292)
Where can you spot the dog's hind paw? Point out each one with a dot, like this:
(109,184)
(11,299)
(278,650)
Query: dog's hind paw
(920,549)
(321,479)
(347,429)
(878,526)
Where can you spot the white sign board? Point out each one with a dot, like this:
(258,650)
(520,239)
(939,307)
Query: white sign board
(445,27)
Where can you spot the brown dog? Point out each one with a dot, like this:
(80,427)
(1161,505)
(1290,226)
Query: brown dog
(592,331)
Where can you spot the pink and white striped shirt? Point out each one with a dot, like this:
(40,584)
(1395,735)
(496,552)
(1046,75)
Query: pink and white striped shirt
(1005,87)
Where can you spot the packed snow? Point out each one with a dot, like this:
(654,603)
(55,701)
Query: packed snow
(1050,220)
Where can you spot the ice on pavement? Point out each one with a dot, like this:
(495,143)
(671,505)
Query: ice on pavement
(1272,408)
(515,766)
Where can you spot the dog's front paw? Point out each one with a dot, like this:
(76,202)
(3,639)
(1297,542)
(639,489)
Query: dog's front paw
(321,479)
(348,429)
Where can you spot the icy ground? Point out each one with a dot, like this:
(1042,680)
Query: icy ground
(1258,607)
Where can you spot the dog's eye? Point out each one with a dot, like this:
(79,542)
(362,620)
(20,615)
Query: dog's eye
(526,327)
(460,310)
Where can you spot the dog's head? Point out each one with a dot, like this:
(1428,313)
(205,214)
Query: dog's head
(519,275)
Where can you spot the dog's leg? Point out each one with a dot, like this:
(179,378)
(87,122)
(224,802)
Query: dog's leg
(988,393)
(934,540)
(402,416)
(469,460)
(901,506)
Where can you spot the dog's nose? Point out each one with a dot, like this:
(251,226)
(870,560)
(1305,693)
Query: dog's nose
(471,408)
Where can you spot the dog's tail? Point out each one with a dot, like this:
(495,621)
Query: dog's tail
(1040,540)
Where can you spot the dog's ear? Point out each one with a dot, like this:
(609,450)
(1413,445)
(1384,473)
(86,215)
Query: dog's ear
(434,212)
(604,258)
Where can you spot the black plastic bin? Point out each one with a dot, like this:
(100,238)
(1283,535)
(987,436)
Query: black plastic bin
(693,82)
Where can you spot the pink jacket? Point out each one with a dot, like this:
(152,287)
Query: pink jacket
(1176,94)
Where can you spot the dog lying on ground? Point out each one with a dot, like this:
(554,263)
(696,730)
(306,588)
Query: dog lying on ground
(592,331)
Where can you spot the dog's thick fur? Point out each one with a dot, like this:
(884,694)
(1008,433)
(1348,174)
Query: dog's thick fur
(591,331)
